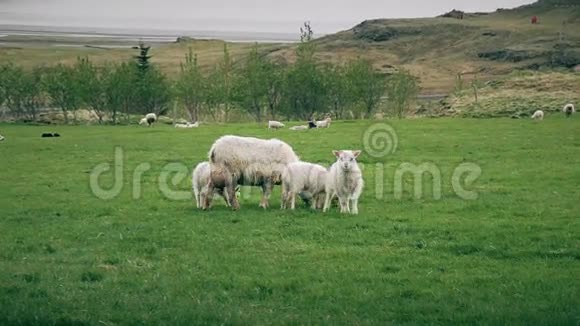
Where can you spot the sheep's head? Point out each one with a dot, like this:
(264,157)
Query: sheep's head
(346,160)
(143,121)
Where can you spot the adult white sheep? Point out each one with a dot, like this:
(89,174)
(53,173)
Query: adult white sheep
(200,182)
(250,161)
(305,179)
(149,119)
(324,123)
(569,109)
(538,115)
(345,181)
(299,128)
(275,124)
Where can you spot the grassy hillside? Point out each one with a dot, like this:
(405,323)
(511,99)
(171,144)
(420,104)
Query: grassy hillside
(437,49)
(508,257)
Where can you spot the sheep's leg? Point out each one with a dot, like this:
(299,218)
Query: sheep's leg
(267,191)
(197,196)
(343,204)
(292,200)
(354,206)
(327,201)
(230,189)
(283,200)
(320,201)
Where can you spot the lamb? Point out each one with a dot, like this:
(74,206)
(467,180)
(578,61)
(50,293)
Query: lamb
(149,119)
(299,128)
(569,109)
(249,161)
(324,123)
(345,181)
(187,125)
(305,179)
(2,138)
(538,115)
(201,192)
(275,125)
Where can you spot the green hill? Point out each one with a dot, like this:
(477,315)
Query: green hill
(482,44)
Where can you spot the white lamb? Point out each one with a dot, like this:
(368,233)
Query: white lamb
(2,138)
(538,115)
(149,119)
(250,161)
(187,125)
(305,179)
(345,181)
(324,123)
(200,186)
(299,128)
(569,109)
(275,124)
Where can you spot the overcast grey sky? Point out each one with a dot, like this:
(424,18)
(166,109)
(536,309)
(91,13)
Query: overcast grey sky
(225,15)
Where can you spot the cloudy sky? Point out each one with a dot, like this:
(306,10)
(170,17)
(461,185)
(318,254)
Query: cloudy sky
(226,15)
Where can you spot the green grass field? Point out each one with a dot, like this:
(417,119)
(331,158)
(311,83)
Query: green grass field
(512,256)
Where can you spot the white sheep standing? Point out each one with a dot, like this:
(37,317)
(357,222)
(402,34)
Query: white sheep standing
(305,179)
(324,123)
(275,124)
(249,161)
(569,109)
(538,115)
(149,119)
(345,181)
(187,125)
(299,128)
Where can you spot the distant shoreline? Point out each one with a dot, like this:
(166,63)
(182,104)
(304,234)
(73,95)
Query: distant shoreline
(130,35)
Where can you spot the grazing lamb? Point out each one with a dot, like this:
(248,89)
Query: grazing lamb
(249,161)
(200,185)
(345,181)
(298,128)
(538,115)
(275,125)
(149,119)
(305,179)
(324,123)
(569,109)
(187,125)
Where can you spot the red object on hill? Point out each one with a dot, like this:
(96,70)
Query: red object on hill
(535,20)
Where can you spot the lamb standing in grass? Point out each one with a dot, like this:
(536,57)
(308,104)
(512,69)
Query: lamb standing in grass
(569,109)
(275,124)
(345,181)
(538,115)
(201,192)
(324,123)
(300,178)
(249,161)
(149,119)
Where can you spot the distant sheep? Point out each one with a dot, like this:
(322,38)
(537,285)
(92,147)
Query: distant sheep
(305,179)
(275,124)
(324,123)
(569,109)
(187,125)
(345,181)
(250,161)
(149,119)
(538,115)
(298,128)
(2,138)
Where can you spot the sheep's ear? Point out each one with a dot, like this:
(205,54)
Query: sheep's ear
(337,153)
(356,153)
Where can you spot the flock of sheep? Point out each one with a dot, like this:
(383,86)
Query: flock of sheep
(568,110)
(248,161)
